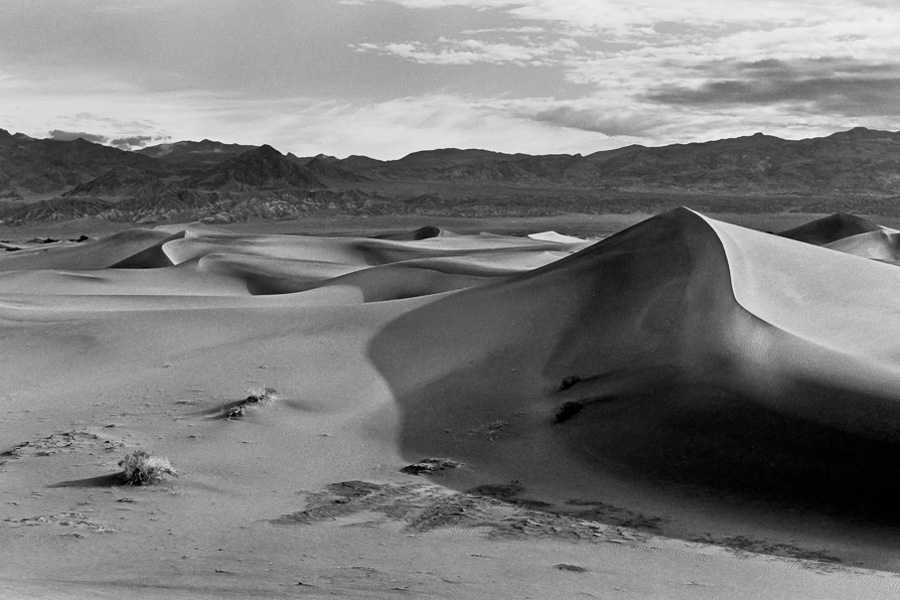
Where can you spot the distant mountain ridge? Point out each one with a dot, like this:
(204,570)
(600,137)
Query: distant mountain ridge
(50,179)
(259,168)
(194,155)
(859,162)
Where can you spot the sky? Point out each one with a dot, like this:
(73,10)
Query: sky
(384,78)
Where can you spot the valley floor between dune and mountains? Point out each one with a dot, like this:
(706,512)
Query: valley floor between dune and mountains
(609,406)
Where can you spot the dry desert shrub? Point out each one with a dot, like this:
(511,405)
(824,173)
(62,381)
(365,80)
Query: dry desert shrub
(256,395)
(139,468)
(261,394)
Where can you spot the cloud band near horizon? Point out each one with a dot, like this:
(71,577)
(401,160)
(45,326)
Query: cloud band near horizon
(388,77)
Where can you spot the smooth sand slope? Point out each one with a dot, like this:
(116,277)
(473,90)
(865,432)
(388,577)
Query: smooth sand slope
(686,409)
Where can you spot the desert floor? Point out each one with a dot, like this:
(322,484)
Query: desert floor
(637,406)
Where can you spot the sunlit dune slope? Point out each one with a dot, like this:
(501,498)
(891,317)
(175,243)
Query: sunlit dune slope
(881,244)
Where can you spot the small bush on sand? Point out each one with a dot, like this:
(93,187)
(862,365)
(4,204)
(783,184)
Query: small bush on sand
(256,395)
(139,468)
(262,394)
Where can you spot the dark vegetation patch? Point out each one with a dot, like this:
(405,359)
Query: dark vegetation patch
(570,568)
(614,515)
(508,492)
(351,490)
(503,491)
(569,382)
(567,411)
(742,545)
(428,466)
(496,510)
(571,408)
(424,507)
(257,396)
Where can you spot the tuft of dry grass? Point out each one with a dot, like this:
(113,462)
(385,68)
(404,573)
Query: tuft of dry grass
(256,395)
(261,394)
(139,468)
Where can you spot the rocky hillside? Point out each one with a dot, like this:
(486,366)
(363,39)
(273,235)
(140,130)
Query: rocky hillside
(856,170)
(859,162)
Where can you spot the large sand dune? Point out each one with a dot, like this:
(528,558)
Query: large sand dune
(686,409)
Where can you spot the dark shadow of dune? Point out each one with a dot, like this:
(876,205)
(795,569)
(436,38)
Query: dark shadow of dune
(719,442)
(398,281)
(829,229)
(422,233)
(150,258)
(642,330)
(103,481)
(407,279)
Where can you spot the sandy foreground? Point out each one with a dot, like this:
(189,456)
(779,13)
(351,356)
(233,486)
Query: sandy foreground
(685,409)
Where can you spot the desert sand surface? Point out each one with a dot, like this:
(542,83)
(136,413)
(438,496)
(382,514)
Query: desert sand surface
(680,408)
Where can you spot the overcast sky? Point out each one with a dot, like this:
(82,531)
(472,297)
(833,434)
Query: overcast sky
(387,77)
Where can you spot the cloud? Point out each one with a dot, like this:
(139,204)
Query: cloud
(598,120)
(394,128)
(617,15)
(136,141)
(470,51)
(506,30)
(836,85)
(386,77)
(130,142)
(68,136)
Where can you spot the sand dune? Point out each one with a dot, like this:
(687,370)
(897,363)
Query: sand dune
(135,245)
(642,408)
(830,229)
(680,324)
(880,244)
(361,251)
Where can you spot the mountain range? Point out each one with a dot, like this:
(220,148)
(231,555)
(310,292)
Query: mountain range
(42,179)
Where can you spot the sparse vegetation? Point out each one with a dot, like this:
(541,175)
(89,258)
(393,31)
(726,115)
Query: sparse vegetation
(504,491)
(261,394)
(139,468)
(430,465)
(493,508)
(567,411)
(571,568)
(256,395)
(569,382)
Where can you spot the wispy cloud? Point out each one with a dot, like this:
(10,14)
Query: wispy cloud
(597,119)
(68,136)
(505,30)
(123,143)
(614,14)
(843,86)
(394,128)
(654,66)
(470,51)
